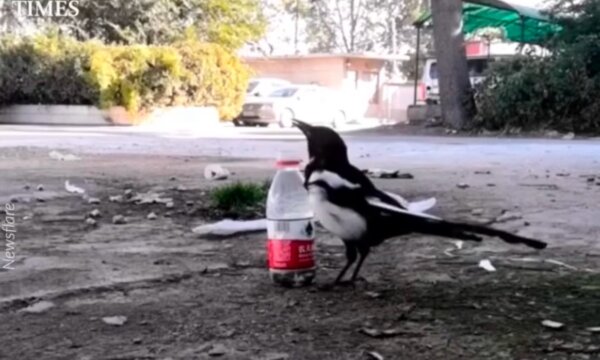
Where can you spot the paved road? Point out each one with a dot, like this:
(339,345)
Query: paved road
(375,147)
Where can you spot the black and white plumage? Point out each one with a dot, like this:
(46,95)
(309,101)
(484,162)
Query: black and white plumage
(349,205)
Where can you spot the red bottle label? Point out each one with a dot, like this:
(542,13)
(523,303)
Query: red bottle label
(290,254)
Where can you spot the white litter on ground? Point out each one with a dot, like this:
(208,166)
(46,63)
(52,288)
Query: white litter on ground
(115,320)
(38,307)
(487,265)
(229,227)
(552,324)
(56,155)
(216,172)
(73,189)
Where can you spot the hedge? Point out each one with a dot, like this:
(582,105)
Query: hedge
(56,70)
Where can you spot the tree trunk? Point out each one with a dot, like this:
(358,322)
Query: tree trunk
(456,96)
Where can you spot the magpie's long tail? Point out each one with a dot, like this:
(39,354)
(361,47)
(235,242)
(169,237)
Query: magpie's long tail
(433,226)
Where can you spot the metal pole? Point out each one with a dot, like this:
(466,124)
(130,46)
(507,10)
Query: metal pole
(522,32)
(417,65)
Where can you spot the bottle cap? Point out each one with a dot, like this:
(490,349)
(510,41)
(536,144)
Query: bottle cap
(287,160)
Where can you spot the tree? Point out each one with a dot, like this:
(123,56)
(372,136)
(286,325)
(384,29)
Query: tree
(456,95)
(359,25)
(230,23)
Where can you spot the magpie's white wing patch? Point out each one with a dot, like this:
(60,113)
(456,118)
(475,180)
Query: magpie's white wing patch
(381,205)
(342,222)
(413,207)
(332,179)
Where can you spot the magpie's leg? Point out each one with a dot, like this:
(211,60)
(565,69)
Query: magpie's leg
(350,259)
(363,251)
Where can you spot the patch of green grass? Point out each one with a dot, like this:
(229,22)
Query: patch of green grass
(240,196)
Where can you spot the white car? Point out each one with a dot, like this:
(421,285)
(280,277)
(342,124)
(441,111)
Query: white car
(264,86)
(430,90)
(310,103)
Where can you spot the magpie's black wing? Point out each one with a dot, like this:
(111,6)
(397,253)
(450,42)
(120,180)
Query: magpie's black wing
(427,224)
(354,175)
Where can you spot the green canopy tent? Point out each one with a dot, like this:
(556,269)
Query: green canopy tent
(519,23)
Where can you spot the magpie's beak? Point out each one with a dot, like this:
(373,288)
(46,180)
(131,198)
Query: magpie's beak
(304,127)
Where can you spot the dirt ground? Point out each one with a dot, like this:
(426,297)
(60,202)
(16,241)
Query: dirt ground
(186,297)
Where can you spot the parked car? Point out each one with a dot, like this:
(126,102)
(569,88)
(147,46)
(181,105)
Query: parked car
(430,90)
(264,86)
(311,103)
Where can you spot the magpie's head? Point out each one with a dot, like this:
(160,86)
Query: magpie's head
(324,144)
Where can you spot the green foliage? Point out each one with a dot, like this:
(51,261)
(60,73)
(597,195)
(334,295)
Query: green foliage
(240,196)
(58,70)
(558,92)
(229,23)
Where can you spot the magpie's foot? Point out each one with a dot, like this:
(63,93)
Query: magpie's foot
(346,283)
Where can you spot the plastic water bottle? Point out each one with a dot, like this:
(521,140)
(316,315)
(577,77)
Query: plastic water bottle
(290,230)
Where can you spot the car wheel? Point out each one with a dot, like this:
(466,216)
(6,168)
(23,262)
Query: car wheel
(338,120)
(286,119)
(238,123)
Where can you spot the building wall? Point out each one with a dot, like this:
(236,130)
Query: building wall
(327,72)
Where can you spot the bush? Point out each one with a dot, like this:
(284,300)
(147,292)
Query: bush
(558,92)
(57,70)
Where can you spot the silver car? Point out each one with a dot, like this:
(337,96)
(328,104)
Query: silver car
(311,103)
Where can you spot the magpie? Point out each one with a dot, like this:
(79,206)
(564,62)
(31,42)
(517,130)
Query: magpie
(350,206)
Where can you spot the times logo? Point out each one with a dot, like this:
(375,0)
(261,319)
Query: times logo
(49,8)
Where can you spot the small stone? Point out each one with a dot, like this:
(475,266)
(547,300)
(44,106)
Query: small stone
(90,222)
(275,356)
(26,187)
(217,350)
(173,178)
(373,294)
(569,136)
(128,193)
(40,200)
(115,198)
(462,185)
(563,174)
(189,203)
(115,320)
(483,172)
(137,341)
(94,201)
(14,200)
(170,205)
(95,213)
(119,220)
(181,188)
(593,329)
(40,187)
(508,216)
(490,185)
(477,212)
(591,179)
(151,216)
